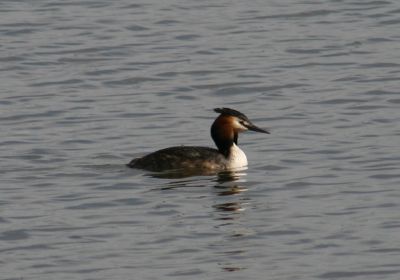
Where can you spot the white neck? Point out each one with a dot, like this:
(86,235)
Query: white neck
(237,158)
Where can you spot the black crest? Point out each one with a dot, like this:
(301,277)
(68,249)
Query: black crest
(230,112)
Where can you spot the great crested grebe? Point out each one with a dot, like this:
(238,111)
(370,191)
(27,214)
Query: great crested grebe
(224,132)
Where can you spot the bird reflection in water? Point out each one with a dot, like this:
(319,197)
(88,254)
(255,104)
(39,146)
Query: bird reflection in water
(228,184)
(231,203)
(227,181)
(230,187)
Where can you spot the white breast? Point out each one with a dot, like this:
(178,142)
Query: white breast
(237,158)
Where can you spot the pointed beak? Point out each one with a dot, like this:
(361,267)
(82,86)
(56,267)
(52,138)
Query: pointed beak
(252,127)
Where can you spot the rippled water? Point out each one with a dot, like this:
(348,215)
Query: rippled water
(88,85)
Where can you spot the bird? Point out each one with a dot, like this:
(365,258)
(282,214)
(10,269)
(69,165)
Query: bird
(227,156)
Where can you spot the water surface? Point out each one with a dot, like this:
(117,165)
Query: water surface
(89,85)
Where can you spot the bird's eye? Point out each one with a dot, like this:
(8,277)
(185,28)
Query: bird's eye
(243,123)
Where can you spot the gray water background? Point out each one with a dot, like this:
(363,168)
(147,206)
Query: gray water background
(88,85)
